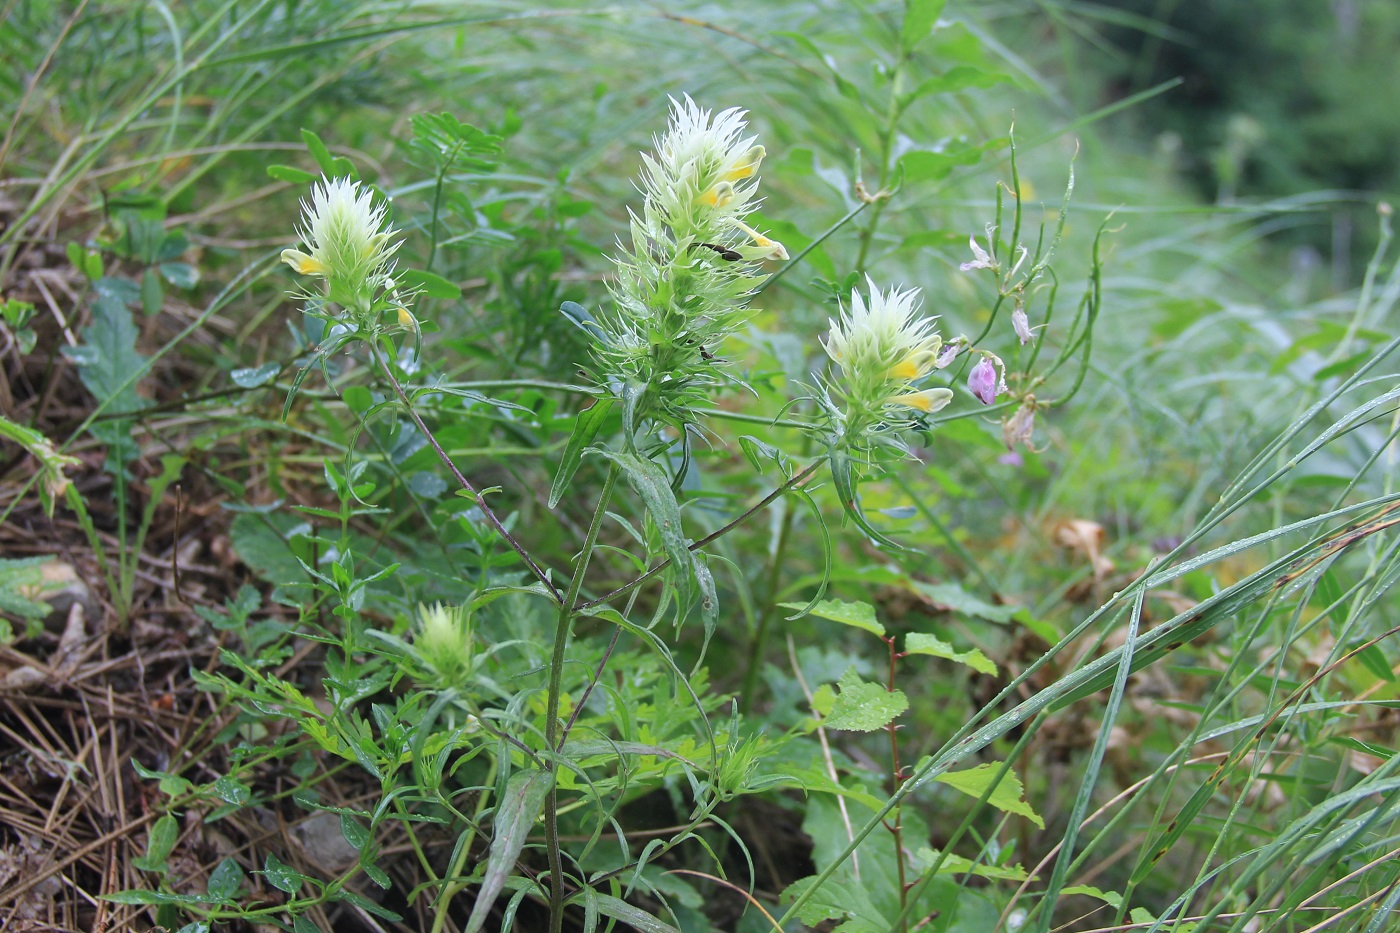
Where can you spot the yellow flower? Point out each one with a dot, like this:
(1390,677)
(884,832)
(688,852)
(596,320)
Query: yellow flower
(927,400)
(763,247)
(346,234)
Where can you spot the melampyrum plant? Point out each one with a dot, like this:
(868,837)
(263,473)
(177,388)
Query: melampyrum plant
(482,718)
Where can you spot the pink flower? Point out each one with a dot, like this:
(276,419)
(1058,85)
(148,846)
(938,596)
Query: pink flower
(984,381)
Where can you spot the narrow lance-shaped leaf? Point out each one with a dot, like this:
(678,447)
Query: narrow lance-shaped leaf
(520,805)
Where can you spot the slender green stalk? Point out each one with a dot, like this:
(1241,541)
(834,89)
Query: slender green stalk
(749,691)
(552,740)
(457,474)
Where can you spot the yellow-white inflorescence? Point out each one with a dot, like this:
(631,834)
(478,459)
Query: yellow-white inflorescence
(702,178)
(885,349)
(348,241)
(443,640)
(689,266)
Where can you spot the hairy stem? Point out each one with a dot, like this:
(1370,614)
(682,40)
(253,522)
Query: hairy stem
(457,474)
(553,742)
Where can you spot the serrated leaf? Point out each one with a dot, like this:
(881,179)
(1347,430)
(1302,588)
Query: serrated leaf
(160,843)
(430,284)
(515,815)
(857,615)
(586,427)
(254,376)
(1111,898)
(1008,795)
(225,881)
(864,707)
(107,358)
(921,643)
(835,900)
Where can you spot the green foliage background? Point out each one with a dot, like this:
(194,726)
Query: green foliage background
(1218,479)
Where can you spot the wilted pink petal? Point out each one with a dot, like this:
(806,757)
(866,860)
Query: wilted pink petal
(946,357)
(1019,428)
(983,381)
(980,258)
(1022,325)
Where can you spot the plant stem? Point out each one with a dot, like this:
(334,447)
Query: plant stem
(457,474)
(896,779)
(551,717)
(760,636)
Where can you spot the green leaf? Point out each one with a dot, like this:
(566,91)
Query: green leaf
(1373,659)
(160,843)
(107,359)
(649,481)
(252,377)
(180,274)
(919,17)
(229,790)
(1111,898)
(835,900)
(843,475)
(319,152)
(1007,797)
(632,916)
(519,806)
(864,707)
(282,876)
(225,881)
(856,615)
(427,485)
(151,293)
(920,643)
(954,598)
(365,904)
(171,785)
(430,284)
(291,175)
(954,864)
(146,898)
(586,427)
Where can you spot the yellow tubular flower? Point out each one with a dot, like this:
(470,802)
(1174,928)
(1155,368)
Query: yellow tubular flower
(746,166)
(346,234)
(763,247)
(885,347)
(927,401)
